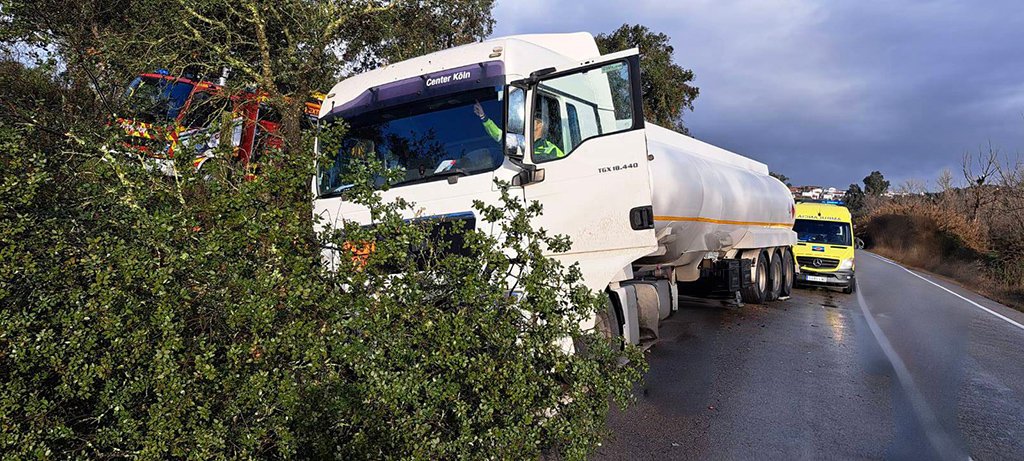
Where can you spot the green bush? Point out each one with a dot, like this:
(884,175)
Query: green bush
(192,317)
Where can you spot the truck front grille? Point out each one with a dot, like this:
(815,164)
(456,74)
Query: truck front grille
(822,263)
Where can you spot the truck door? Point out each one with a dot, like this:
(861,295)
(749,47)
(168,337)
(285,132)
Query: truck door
(588,138)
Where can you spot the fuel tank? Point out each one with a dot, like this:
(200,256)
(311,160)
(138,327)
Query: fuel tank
(707,199)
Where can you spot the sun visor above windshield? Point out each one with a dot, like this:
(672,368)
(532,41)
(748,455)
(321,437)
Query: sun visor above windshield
(491,73)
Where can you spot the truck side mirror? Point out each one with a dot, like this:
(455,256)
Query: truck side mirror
(528,175)
(515,146)
(515,123)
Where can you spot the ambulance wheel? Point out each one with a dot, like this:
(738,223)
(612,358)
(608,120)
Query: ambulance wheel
(775,277)
(849,289)
(757,290)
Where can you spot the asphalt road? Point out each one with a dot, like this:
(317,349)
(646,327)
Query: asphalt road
(902,369)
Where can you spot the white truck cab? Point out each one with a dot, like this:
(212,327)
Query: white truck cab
(645,208)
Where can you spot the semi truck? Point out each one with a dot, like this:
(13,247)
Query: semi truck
(652,214)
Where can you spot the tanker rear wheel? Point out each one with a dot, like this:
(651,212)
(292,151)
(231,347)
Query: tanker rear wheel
(788,272)
(775,277)
(756,292)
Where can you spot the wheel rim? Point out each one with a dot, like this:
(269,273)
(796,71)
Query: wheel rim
(762,277)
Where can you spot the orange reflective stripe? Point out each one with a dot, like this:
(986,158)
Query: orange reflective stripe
(722,221)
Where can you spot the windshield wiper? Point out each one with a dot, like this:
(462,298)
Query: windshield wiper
(443,174)
(451,172)
(336,192)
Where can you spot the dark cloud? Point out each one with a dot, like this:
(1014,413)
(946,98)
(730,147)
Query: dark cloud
(825,92)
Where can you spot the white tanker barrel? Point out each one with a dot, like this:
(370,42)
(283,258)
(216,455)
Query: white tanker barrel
(709,199)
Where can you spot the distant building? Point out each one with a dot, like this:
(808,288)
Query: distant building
(816,193)
(811,192)
(830,194)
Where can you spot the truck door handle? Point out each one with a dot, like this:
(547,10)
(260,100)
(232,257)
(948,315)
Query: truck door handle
(642,217)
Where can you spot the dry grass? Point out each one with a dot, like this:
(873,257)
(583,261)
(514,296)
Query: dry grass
(939,239)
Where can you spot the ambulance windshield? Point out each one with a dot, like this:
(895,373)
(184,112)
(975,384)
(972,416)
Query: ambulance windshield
(828,232)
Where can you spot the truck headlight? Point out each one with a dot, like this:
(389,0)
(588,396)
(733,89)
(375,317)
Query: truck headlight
(846,264)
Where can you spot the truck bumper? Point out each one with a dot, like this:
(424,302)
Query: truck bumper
(841,278)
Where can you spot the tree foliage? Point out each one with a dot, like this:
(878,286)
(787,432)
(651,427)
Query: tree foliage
(667,87)
(781,177)
(192,317)
(287,48)
(148,316)
(854,198)
(875,184)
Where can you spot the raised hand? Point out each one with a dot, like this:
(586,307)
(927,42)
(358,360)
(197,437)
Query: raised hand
(479,110)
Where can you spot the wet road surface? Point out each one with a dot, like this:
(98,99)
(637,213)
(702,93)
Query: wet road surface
(903,369)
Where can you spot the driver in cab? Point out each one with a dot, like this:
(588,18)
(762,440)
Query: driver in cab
(543,150)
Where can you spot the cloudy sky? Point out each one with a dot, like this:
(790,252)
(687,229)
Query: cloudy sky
(826,91)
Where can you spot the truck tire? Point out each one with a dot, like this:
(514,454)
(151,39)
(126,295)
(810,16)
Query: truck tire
(775,277)
(756,291)
(788,273)
(609,322)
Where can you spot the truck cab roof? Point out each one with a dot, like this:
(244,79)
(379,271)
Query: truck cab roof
(516,57)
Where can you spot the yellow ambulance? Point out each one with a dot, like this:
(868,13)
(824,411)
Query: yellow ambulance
(825,246)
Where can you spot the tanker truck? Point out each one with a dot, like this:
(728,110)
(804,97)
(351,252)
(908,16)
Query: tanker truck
(652,214)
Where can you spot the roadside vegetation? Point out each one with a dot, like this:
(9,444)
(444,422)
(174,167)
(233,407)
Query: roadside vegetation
(970,230)
(192,316)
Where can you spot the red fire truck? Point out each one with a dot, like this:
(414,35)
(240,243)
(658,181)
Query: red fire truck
(169,116)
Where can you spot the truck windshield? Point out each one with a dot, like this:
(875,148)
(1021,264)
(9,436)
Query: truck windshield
(425,140)
(828,232)
(153,100)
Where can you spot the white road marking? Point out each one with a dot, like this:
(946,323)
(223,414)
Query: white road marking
(979,306)
(941,443)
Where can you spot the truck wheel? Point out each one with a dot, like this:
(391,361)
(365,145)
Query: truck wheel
(756,291)
(775,277)
(609,323)
(788,273)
